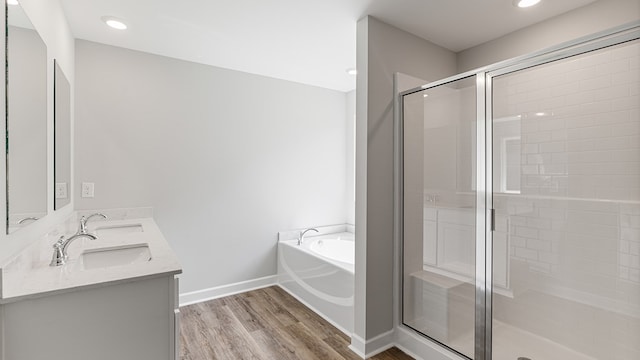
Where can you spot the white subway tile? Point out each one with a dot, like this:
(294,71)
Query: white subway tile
(631,209)
(551,123)
(625,103)
(568,87)
(630,234)
(625,77)
(595,82)
(613,92)
(623,259)
(518,241)
(533,159)
(559,135)
(526,254)
(624,246)
(632,221)
(551,147)
(529,169)
(592,132)
(526,232)
(551,213)
(618,142)
(539,223)
(581,145)
(623,272)
(602,218)
(597,58)
(538,137)
(553,169)
(618,193)
(625,129)
(589,156)
(631,155)
(625,51)
(596,107)
(559,158)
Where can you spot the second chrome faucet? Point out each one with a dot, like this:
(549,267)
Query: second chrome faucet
(60,248)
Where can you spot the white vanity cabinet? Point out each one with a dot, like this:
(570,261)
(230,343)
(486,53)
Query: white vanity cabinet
(116,308)
(133,320)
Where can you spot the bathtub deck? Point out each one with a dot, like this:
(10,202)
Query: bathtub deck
(263,324)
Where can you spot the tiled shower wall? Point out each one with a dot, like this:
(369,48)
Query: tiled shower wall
(574,228)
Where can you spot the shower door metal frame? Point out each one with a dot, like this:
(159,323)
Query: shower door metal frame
(485,216)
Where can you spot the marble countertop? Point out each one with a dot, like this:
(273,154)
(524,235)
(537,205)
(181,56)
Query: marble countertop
(29,274)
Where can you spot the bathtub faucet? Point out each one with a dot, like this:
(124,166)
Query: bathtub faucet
(301,237)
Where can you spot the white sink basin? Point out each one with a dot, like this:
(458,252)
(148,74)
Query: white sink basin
(115,256)
(119,229)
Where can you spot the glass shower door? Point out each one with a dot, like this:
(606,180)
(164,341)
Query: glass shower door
(566,189)
(439,213)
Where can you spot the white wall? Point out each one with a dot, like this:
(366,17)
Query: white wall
(226,159)
(382,51)
(597,16)
(49,20)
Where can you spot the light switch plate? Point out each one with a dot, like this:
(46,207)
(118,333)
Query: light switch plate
(87,190)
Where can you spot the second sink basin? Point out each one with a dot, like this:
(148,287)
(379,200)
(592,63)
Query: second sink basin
(115,256)
(119,229)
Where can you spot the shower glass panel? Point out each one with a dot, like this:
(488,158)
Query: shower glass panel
(439,198)
(566,189)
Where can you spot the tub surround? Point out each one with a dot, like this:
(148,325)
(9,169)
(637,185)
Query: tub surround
(322,230)
(29,275)
(323,284)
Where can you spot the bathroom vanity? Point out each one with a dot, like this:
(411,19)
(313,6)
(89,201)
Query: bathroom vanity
(115,298)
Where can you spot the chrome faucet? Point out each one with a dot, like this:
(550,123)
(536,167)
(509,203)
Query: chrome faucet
(60,248)
(301,236)
(82,229)
(30,218)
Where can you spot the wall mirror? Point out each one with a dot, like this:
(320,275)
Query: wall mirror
(62,137)
(26,120)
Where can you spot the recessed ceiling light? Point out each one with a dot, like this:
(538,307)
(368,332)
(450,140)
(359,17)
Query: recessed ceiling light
(12,2)
(425,95)
(525,3)
(114,22)
(352,71)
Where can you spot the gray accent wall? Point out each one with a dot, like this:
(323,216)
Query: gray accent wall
(382,51)
(225,158)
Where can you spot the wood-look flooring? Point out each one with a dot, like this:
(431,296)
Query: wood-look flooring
(263,324)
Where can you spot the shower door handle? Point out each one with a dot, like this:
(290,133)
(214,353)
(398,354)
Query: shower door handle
(492,214)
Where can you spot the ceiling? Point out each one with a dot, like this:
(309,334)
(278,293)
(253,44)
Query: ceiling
(307,41)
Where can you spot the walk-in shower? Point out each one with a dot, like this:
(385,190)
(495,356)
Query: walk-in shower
(520,205)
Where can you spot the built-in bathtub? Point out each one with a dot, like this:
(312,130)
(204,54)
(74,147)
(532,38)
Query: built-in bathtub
(319,272)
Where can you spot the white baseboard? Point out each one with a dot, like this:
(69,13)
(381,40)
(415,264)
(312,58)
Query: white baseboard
(373,346)
(198,296)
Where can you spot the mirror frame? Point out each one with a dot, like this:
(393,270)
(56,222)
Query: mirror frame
(59,158)
(10,221)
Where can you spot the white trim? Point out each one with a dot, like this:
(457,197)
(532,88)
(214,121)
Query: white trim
(373,346)
(198,296)
(357,345)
